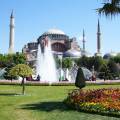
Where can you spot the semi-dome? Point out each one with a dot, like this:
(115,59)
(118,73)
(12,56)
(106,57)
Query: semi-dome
(109,55)
(72,53)
(54,31)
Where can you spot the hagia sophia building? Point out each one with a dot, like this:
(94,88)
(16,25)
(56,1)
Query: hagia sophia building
(61,44)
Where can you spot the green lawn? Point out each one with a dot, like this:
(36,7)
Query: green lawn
(42,103)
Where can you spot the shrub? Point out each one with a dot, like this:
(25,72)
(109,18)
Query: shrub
(80,79)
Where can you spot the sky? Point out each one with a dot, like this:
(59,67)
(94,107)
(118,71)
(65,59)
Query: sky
(34,17)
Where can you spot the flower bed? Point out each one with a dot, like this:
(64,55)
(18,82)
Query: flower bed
(102,101)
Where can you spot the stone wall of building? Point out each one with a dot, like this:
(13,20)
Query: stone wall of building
(59,43)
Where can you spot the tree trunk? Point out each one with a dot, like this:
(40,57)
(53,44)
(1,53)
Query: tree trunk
(23,85)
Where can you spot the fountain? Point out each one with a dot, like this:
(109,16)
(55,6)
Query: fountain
(45,66)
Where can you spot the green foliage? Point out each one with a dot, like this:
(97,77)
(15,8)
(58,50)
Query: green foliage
(104,72)
(111,69)
(10,60)
(98,61)
(114,68)
(21,70)
(110,8)
(5,60)
(106,69)
(80,79)
(19,58)
(77,61)
(88,62)
(84,62)
(116,59)
(67,63)
(41,103)
(6,75)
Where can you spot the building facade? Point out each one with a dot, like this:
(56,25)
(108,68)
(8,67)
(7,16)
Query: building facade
(60,44)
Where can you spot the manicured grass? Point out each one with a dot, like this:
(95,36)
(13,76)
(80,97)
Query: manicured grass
(42,103)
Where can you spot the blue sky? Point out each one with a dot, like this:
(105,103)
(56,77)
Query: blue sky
(33,17)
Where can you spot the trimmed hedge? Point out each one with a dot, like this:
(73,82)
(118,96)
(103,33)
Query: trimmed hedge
(37,84)
(55,84)
(80,79)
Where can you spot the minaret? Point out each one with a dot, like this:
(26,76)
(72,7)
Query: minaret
(98,40)
(83,41)
(11,39)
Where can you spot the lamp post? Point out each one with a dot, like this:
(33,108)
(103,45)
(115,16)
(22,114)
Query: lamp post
(93,70)
(93,74)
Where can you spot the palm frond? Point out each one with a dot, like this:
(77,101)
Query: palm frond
(109,9)
(115,2)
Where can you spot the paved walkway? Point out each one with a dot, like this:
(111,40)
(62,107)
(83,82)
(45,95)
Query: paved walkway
(97,81)
(102,81)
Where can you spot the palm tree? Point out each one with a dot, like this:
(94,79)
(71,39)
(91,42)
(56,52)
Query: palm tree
(110,8)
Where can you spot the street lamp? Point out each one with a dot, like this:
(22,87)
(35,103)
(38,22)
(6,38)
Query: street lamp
(93,73)
(93,70)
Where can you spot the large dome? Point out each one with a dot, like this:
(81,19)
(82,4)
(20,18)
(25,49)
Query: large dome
(54,31)
(54,35)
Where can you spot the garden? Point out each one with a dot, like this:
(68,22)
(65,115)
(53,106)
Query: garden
(105,101)
(45,103)
(39,101)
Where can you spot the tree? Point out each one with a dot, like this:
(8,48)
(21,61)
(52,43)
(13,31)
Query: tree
(67,63)
(5,60)
(89,62)
(77,61)
(84,61)
(8,61)
(114,69)
(116,59)
(80,79)
(110,8)
(98,61)
(104,72)
(19,58)
(23,71)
